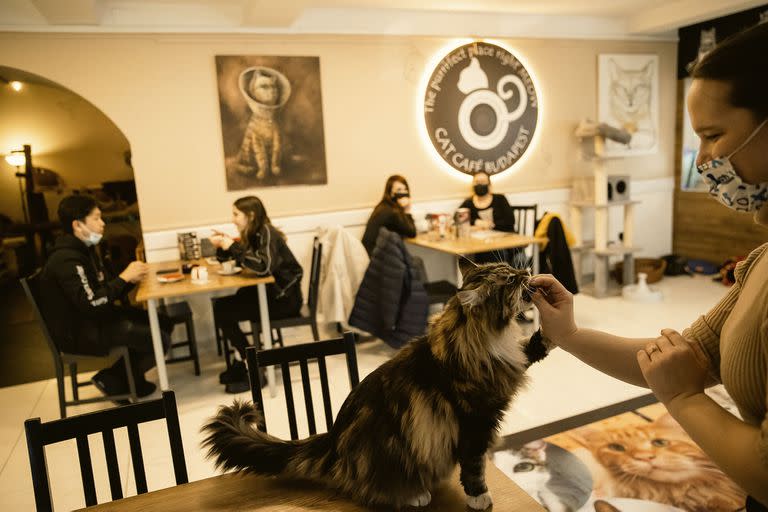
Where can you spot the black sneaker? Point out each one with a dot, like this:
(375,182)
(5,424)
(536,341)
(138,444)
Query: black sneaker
(237,387)
(145,388)
(108,385)
(237,372)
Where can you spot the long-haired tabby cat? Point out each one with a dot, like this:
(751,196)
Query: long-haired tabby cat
(403,429)
(656,462)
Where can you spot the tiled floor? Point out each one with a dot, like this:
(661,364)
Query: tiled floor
(560,387)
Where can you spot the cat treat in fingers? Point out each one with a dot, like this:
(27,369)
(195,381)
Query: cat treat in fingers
(437,403)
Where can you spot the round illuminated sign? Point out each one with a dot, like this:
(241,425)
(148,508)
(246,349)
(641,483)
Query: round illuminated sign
(480,108)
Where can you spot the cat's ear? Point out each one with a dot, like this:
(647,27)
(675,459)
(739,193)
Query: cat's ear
(647,70)
(473,297)
(465,265)
(604,506)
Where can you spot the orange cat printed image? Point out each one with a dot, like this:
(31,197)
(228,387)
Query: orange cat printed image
(639,461)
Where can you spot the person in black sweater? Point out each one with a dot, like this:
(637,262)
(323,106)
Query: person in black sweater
(487,210)
(491,211)
(392,212)
(261,249)
(85,306)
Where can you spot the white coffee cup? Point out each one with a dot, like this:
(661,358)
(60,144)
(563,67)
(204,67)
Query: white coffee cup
(228,266)
(200,274)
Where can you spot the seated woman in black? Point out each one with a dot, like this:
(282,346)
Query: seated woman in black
(263,250)
(392,212)
(490,211)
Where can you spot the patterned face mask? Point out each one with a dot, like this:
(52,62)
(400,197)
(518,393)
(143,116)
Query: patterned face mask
(727,186)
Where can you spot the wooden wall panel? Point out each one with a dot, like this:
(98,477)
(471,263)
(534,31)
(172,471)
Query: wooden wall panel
(702,227)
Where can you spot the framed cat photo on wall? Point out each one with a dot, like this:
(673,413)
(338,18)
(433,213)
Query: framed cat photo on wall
(271,121)
(628,98)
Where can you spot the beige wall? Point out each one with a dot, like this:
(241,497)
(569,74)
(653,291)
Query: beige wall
(160,90)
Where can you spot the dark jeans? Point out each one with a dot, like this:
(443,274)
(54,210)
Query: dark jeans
(244,306)
(128,327)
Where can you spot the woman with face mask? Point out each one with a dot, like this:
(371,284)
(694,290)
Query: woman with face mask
(393,212)
(728,107)
(487,210)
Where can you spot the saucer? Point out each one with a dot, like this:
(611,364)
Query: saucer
(234,271)
(170,278)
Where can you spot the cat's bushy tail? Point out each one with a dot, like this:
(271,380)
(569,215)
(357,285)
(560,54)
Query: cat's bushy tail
(234,442)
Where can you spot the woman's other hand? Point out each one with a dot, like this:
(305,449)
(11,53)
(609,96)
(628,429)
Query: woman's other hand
(555,305)
(673,367)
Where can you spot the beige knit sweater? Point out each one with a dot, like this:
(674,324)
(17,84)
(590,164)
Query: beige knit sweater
(735,336)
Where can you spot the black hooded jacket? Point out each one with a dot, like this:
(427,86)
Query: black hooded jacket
(78,294)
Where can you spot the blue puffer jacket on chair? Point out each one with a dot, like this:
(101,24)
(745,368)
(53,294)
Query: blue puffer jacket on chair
(391,302)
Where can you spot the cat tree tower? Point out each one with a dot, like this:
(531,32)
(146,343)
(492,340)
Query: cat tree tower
(596,197)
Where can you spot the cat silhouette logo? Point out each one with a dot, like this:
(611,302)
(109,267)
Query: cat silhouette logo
(480,108)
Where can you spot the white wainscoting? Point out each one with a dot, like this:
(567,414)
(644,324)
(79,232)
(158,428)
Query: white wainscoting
(653,232)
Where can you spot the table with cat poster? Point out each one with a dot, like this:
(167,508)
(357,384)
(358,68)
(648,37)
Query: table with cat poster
(259,493)
(150,290)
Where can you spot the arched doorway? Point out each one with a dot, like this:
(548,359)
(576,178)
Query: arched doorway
(59,144)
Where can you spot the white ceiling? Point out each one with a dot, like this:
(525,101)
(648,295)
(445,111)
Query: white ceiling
(533,18)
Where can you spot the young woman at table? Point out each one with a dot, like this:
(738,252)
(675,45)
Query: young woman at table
(262,249)
(491,211)
(393,212)
(488,210)
(728,107)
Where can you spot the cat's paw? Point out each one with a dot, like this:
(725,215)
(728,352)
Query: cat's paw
(276,170)
(481,502)
(422,500)
(260,174)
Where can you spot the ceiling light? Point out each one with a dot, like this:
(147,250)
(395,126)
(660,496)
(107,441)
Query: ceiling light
(16,85)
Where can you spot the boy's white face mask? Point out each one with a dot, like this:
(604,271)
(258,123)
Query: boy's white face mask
(727,186)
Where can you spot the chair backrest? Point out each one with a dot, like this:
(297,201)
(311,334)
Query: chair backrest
(31,286)
(525,218)
(39,435)
(302,353)
(314,275)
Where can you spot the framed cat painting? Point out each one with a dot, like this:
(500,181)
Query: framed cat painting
(271,121)
(628,98)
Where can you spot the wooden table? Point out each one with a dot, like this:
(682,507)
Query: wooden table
(150,290)
(461,247)
(252,493)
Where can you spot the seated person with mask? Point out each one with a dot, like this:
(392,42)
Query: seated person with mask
(81,299)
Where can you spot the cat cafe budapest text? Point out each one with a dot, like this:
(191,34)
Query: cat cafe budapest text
(481,108)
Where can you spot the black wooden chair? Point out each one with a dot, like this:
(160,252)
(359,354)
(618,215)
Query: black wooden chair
(39,435)
(31,286)
(181,313)
(302,353)
(308,313)
(525,218)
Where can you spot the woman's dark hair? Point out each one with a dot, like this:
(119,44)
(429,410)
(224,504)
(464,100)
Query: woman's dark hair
(73,208)
(482,172)
(254,209)
(387,197)
(740,61)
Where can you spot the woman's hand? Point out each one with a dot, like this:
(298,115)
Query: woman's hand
(673,367)
(221,240)
(555,305)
